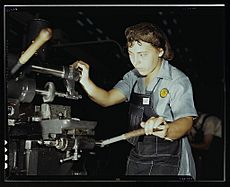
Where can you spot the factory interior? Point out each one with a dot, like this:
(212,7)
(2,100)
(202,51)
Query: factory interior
(53,129)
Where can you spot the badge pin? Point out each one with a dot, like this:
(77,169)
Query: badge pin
(146,101)
(164,92)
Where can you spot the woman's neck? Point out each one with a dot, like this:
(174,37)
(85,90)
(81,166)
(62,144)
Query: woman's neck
(152,74)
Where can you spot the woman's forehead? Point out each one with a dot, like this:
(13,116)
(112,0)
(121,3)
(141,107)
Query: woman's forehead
(140,45)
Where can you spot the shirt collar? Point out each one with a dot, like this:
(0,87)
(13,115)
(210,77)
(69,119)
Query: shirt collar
(165,70)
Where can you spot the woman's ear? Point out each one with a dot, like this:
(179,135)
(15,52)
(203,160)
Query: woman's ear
(161,52)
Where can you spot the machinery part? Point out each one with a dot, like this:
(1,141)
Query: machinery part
(45,111)
(75,155)
(76,136)
(75,148)
(50,93)
(54,72)
(69,74)
(25,89)
(65,144)
(76,143)
(128,135)
(44,35)
(60,111)
(70,86)
(21,89)
(28,144)
(33,28)
(49,96)
(66,73)
(71,126)
(13,108)
(61,144)
(10,111)
(85,142)
(69,82)
(66,159)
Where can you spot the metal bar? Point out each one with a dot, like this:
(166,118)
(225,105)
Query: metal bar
(54,72)
(128,135)
(41,92)
(112,140)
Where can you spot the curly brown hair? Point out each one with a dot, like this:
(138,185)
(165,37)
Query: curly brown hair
(149,33)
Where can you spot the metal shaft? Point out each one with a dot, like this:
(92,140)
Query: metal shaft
(128,135)
(54,72)
(44,92)
(66,159)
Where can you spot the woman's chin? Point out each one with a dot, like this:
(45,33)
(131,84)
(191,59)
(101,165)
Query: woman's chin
(142,73)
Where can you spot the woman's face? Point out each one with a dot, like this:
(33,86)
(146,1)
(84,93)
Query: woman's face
(144,57)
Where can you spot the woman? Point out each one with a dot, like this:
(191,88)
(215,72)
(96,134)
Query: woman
(159,95)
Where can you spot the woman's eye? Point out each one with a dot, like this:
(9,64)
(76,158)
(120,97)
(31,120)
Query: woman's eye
(143,54)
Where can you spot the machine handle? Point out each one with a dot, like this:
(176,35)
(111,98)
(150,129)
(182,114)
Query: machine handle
(44,35)
(134,133)
(128,135)
(141,131)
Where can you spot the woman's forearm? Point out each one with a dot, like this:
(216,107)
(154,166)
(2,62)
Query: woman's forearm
(179,128)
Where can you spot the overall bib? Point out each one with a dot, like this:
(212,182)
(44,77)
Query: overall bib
(150,155)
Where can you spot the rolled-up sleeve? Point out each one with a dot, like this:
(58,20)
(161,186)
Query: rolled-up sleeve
(182,103)
(125,85)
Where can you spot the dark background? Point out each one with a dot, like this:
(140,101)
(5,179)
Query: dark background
(95,34)
(197,35)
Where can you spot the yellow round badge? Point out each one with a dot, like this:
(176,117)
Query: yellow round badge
(164,92)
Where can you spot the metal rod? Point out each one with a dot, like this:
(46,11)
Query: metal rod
(112,140)
(66,159)
(54,72)
(128,135)
(41,92)
(28,145)
(45,93)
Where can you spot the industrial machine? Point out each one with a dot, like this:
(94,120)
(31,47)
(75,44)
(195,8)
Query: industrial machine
(35,127)
(44,132)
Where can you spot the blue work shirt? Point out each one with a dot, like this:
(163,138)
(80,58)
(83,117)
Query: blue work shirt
(172,98)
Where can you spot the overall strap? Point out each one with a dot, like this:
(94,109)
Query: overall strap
(134,86)
(151,91)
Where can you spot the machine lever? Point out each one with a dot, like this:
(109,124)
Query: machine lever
(126,136)
(44,35)
(66,159)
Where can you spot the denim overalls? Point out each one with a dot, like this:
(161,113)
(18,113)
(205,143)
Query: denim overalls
(150,155)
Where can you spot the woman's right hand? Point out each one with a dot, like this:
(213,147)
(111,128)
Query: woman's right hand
(84,71)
